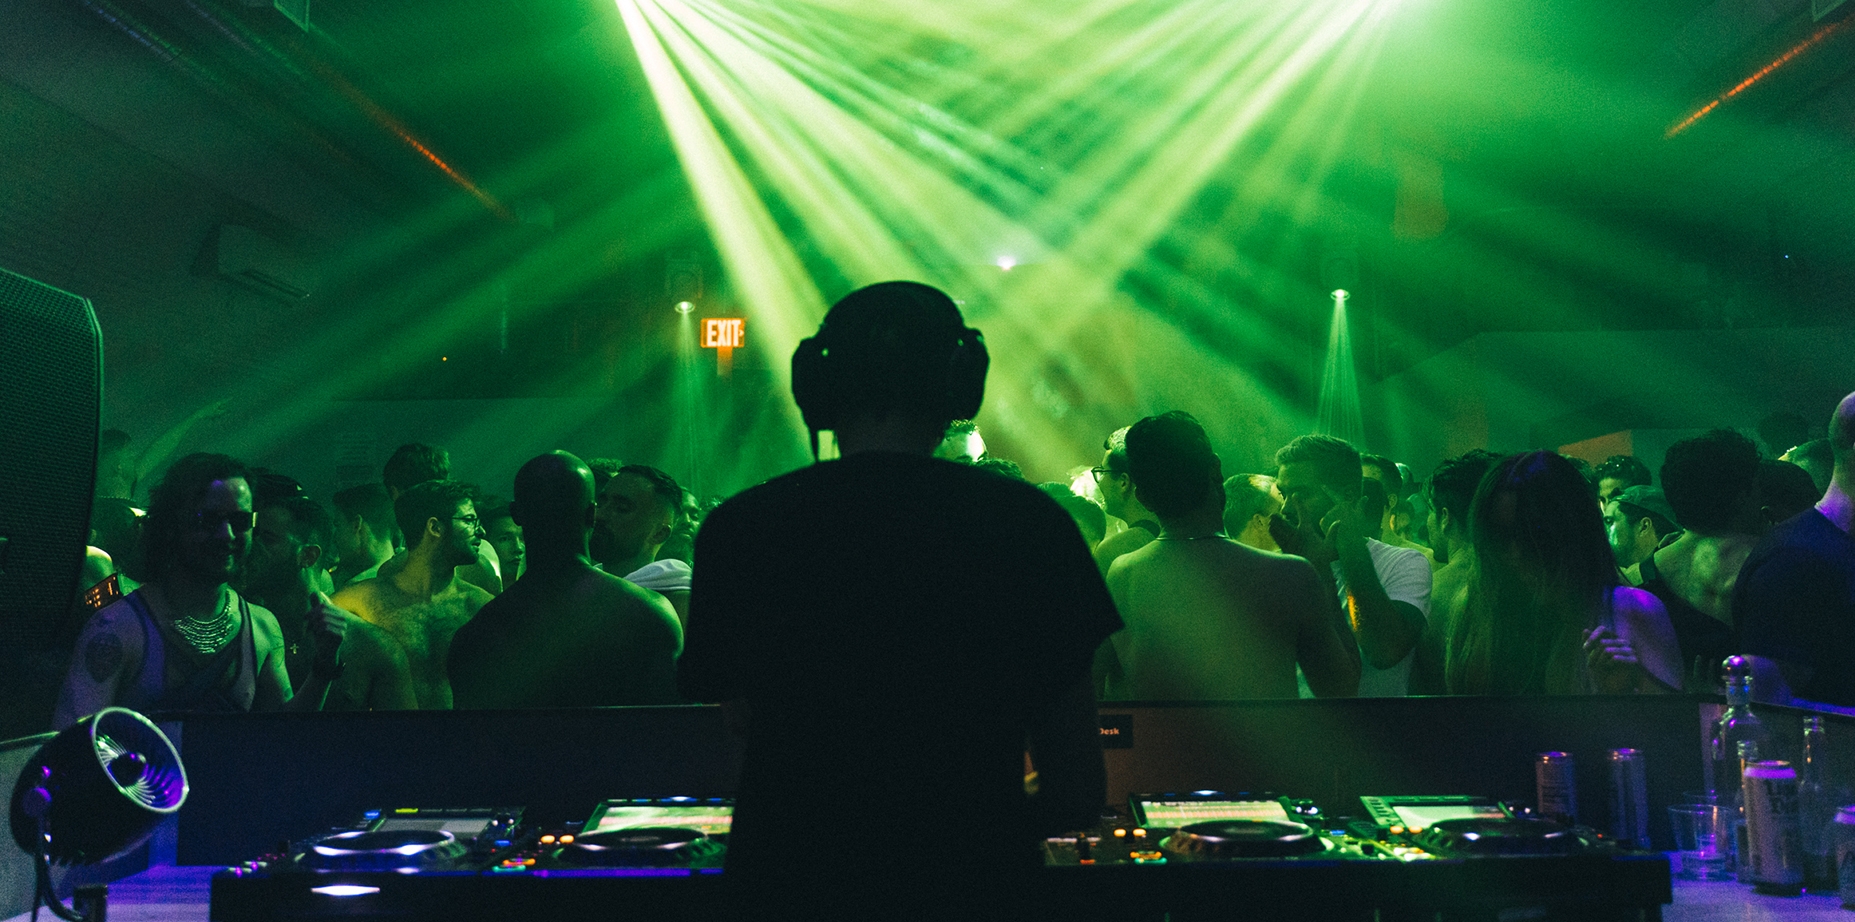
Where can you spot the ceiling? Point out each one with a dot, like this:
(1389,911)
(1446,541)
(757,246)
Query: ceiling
(1533,112)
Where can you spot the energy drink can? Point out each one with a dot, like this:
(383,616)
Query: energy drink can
(1629,798)
(1773,859)
(1555,775)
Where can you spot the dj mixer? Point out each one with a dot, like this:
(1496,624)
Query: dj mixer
(1196,855)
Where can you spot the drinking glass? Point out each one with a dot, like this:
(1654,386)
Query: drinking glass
(1703,840)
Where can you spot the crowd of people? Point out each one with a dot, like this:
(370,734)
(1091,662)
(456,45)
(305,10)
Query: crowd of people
(913,624)
(1333,573)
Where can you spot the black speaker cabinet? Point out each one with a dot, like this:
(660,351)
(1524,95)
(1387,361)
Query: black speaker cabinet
(51,386)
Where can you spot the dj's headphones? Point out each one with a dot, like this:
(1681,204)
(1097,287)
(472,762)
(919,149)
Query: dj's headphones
(845,361)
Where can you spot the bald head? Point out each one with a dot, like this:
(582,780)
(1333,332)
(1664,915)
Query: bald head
(1842,431)
(553,497)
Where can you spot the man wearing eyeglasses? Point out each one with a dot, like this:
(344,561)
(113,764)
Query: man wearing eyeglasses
(1117,499)
(186,641)
(423,603)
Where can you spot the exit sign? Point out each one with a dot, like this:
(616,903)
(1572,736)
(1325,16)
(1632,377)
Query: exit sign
(722,332)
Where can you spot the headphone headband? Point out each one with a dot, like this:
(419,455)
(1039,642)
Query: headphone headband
(836,371)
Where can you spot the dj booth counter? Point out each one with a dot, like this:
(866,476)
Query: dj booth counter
(261,780)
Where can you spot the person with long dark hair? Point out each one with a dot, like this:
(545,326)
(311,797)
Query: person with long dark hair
(186,640)
(1543,612)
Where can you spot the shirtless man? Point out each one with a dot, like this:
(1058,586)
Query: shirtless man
(290,575)
(1207,617)
(185,641)
(637,513)
(423,603)
(566,634)
(414,463)
(1710,481)
(1450,492)
(1118,500)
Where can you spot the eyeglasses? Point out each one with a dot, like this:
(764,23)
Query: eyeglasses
(470,521)
(1100,472)
(239,522)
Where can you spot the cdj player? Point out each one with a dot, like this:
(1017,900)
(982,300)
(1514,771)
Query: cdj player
(1183,856)
(487,864)
(1209,855)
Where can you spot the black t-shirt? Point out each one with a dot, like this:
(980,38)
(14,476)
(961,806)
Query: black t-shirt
(1795,601)
(896,624)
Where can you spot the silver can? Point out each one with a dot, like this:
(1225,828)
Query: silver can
(1773,860)
(1842,852)
(1556,777)
(1629,798)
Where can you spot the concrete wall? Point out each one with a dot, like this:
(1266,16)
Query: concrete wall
(1514,391)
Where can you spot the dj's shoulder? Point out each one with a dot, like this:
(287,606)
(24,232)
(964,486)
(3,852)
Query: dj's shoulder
(795,486)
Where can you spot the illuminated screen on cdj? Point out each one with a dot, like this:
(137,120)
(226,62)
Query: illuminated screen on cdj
(1423,816)
(710,820)
(1175,813)
(463,827)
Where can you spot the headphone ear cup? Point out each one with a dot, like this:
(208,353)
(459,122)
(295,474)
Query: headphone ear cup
(966,369)
(812,388)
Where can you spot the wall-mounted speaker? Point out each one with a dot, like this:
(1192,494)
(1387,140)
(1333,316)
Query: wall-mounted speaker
(51,386)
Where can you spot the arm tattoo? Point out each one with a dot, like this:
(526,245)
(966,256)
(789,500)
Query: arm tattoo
(103,656)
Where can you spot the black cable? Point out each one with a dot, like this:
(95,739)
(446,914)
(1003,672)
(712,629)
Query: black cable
(47,894)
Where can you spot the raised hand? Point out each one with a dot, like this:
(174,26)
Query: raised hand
(328,618)
(1615,669)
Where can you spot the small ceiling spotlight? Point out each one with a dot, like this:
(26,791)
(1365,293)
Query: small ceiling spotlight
(684,307)
(1339,294)
(1006,262)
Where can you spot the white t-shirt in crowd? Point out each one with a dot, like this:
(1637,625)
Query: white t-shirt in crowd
(1405,574)
(672,575)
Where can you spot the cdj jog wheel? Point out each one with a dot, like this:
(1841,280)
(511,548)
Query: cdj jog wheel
(1473,837)
(1220,840)
(643,846)
(385,850)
